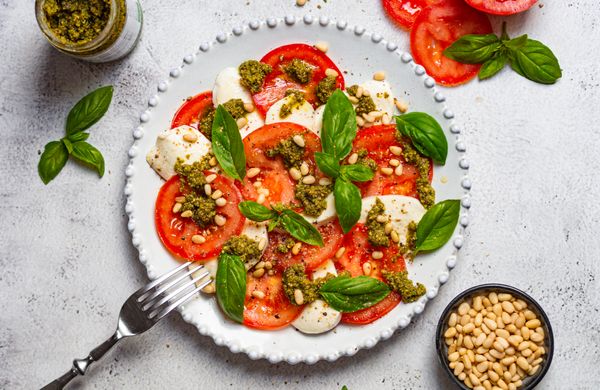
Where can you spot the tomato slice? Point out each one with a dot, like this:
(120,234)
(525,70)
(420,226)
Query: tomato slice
(404,12)
(192,109)
(273,175)
(377,141)
(502,7)
(437,27)
(274,310)
(176,232)
(277,82)
(311,256)
(373,313)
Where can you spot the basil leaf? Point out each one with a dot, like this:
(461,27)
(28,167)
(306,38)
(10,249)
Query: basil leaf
(536,62)
(348,203)
(89,110)
(273,224)
(53,159)
(300,228)
(67,144)
(81,136)
(516,43)
(437,225)
(425,133)
(339,126)
(328,164)
(230,286)
(356,172)
(256,211)
(492,66)
(473,48)
(89,155)
(227,144)
(348,295)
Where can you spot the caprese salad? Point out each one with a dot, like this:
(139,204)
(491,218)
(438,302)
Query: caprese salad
(302,195)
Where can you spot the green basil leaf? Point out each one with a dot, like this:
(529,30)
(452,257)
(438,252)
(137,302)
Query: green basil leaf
(68,145)
(256,211)
(425,133)
(437,225)
(536,62)
(227,144)
(76,137)
(348,203)
(328,164)
(504,36)
(53,159)
(300,228)
(230,285)
(356,172)
(273,224)
(348,295)
(492,66)
(89,110)
(473,48)
(516,43)
(339,125)
(89,155)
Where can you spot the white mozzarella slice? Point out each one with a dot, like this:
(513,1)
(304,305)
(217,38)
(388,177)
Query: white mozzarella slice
(318,122)
(170,146)
(227,87)
(302,115)
(381,93)
(255,121)
(318,317)
(327,214)
(401,210)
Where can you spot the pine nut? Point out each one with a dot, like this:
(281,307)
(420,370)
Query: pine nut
(401,105)
(300,3)
(387,229)
(399,170)
(212,162)
(310,179)
(296,248)
(217,194)
(209,288)
(529,315)
(502,333)
(504,297)
(331,72)
(366,92)
(377,255)
(258,273)
(207,189)
(532,324)
(376,114)
(340,252)
(248,107)
(394,162)
(180,199)
(268,264)
(522,362)
(508,307)
(322,46)
(177,207)
(241,122)
(198,239)
(295,173)
(262,244)
(210,178)
(360,121)
(536,337)
(304,169)
(387,171)
(385,119)
(396,150)
(452,320)
(252,172)
(491,324)
(493,297)
(359,92)
(187,214)
(324,181)
(381,218)
(220,220)
(221,202)
(261,198)
(190,137)
(368,118)
(353,100)
(299,140)
(298,297)
(366,268)
(458,368)
(353,158)
(258,294)
(394,236)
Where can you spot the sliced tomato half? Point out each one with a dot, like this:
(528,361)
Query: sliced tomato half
(190,112)
(278,82)
(274,310)
(502,7)
(176,232)
(377,141)
(404,12)
(373,313)
(437,27)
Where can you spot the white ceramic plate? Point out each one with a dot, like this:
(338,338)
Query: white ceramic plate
(360,54)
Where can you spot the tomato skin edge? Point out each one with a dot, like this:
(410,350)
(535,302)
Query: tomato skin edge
(528,5)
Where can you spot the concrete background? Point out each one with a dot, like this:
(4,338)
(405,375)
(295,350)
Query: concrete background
(67,262)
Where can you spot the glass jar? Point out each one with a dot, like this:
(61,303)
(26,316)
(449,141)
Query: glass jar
(116,39)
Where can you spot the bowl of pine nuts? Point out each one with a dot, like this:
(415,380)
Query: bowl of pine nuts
(494,337)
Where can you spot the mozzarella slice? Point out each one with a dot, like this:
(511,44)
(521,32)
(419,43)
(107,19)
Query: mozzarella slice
(327,214)
(170,146)
(318,121)
(381,93)
(302,115)
(401,210)
(318,317)
(255,121)
(257,232)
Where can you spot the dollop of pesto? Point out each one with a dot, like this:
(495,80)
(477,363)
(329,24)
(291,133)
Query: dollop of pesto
(235,107)
(192,175)
(376,230)
(286,245)
(325,88)
(399,282)
(76,21)
(299,71)
(295,99)
(412,156)
(242,246)
(365,103)
(192,180)
(292,154)
(366,161)
(312,198)
(294,277)
(253,74)
(407,248)
(206,121)
(203,208)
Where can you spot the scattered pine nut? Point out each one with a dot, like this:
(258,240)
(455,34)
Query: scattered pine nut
(198,239)
(399,170)
(249,107)
(396,150)
(187,214)
(258,294)
(360,121)
(209,288)
(377,255)
(331,72)
(387,171)
(401,105)
(310,179)
(388,228)
(298,297)
(296,248)
(322,46)
(353,158)
(394,236)
(241,122)
(353,99)
(381,218)
(252,172)
(220,220)
(177,207)
(261,198)
(295,173)
(217,194)
(180,199)
(258,273)
(379,76)
(359,92)
(304,169)
(324,181)
(262,244)
(385,119)
(212,162)
(299,140)
(207,189)
(340,252)
(366,268)
(210,178)
(261,264)
(221,202)
(190,137)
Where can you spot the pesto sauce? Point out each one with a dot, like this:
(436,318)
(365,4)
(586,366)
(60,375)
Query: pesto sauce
(366,161)
(203,208)
(294,100)
(292,154)
(407,248)
(376,230)
(299,71)
(325,88)
(236,108)
(192,181)
(242,246)
(206,121)
(313,198)
(253,74)
(294,277)
(365,103)
(76,22)
(412,156)
(399,282)
(286,245)
(192,175)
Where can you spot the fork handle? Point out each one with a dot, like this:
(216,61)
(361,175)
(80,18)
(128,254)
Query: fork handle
(80,366)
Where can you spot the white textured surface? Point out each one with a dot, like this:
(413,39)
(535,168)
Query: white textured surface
(67,262)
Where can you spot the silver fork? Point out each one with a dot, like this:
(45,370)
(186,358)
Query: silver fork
(141,311)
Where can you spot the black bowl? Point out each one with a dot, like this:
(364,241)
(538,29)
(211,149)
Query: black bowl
(442,348)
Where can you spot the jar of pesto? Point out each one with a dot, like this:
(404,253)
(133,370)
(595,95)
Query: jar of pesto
(91,30)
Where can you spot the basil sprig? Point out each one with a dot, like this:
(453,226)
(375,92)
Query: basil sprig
(230,284)
(227,144)
(348,295)
(289,220)
(425,133)
(87,112)
(339,130)
(529,58)
(437,225)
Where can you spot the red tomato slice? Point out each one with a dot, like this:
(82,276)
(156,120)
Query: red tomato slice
(373,313)
(277,82)
(191,110)
(311,256)
(377,141)
(273,175)
(404,12)
(274,310)
(437,27)
(176,232)
(502,7)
